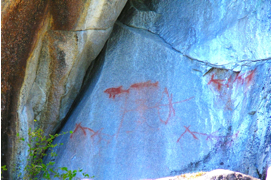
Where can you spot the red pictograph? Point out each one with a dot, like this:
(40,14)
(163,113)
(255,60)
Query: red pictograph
(187,130)
(143,106)
(217,82)
(227,140)
(115,91)
(142,85)
(240,79)
(119,90)
(234,84)
(94,134)
(83,129)
(169,104)
(138,102)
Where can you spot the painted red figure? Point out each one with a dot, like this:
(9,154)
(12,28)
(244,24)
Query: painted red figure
(216,81)
(188,130)
(94,134)
(170,107)
(249,78)
(229,82)
(239,78)
(242,79)
(77,127)
(142,85)
(115,91)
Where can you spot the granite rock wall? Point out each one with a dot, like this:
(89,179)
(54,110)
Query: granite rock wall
(181,86)
(47,46)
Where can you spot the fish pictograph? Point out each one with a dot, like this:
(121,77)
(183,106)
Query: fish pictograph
(146,84)
(143,98)
(115,91)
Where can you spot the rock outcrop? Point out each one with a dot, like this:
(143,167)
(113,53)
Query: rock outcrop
(218,174)
(47,46)
(182,87)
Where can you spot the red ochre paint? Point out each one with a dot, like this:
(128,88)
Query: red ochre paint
(119,90)
(158,106)
(142,85)
(211,136)
(187,130)
(115,91)
(77,127)
(240,79)
(249,77)
(94,134)
(170,106)
(216,81)
(142,106)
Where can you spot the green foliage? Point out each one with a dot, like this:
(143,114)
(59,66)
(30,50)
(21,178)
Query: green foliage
(3,168)
(38,144)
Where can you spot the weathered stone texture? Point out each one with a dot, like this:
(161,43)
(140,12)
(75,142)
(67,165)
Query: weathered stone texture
(184,87)
(47,46)
(22,23)
(85,14)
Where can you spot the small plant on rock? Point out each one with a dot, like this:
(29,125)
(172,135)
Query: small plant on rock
(3,168)
(36,166)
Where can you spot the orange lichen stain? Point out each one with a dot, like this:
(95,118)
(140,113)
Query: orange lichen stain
(142,85)
(115,91)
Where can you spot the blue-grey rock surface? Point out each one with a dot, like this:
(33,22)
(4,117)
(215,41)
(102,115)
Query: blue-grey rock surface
(181,86)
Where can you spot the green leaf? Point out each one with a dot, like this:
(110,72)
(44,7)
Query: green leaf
(86,175)
(64,168)
(48,176)
(51,163)
(56,175)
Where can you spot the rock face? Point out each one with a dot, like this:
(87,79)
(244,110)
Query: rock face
(47,46)
(218,174)
(182,87)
